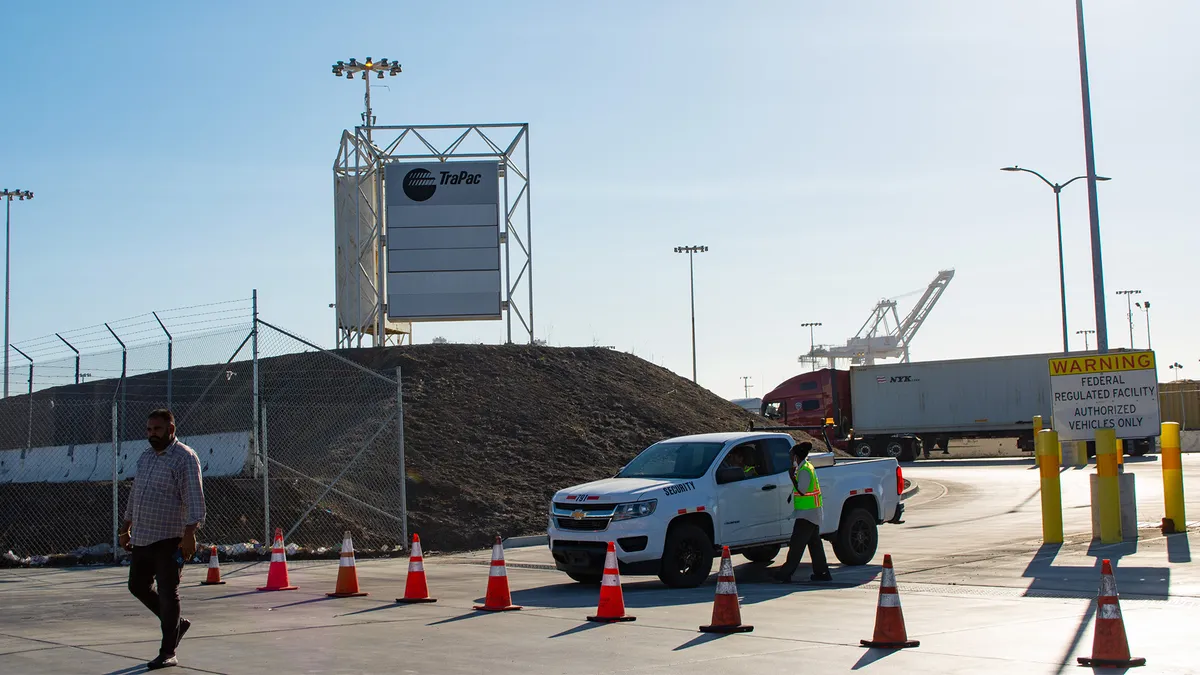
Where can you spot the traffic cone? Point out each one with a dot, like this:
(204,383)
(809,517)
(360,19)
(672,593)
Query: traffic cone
(727,615)
(889,618)
(415,588)
(214,569)
(612,601)
(347,581)
(498,598)
(1110,648)
(277,574)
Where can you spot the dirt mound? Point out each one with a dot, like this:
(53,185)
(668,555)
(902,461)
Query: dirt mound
(491,432)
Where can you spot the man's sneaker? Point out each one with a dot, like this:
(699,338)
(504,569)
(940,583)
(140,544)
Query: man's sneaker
(162,662)
(184,625)
(821,577)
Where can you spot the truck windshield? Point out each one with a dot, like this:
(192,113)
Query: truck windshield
(672,460)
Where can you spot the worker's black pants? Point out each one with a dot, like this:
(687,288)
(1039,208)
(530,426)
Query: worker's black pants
(157,563)
(805,535)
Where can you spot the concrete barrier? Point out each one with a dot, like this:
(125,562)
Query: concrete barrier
(223,454)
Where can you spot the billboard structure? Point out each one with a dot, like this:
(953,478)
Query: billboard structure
(434,224)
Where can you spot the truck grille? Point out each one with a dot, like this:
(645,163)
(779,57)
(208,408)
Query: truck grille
(585,507)
(588,524)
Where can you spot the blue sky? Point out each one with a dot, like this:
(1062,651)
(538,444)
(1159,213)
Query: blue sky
(829,154)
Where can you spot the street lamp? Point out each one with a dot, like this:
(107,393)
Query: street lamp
(1128,301)
(690,251)
(1145,307)
(352,67)
(1177,366)
(812,340)
(1085,334)
(1062,278)
(8,196)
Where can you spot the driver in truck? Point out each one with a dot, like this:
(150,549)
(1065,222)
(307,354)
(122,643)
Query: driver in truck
(806,524)
(737,458)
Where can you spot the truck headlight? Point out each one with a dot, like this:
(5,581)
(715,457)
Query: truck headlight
(634,509)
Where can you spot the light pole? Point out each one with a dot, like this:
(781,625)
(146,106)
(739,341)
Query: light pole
(812,340)
(1129,303)
(1062,277)
(1145,307)
(746,384)
(690,251)
(1093,199)
(349,69)
(8,196)
(1177,366)
(1085,334)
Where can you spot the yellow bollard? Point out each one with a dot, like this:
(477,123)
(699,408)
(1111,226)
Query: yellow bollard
(1172,464)
(1047,448)
(1121,455)
(1108,490)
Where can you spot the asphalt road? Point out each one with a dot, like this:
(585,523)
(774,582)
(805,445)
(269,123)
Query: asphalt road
(978,590)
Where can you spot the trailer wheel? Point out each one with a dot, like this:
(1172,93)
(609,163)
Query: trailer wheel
(857,538)
(896,449)
(863,449)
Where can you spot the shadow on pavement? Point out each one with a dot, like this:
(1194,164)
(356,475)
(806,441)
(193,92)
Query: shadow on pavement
(303,602)
(701,639)
(755,584)
(999,461)
(463,617)
(231,595)
(583,627)
(873,654)
(127,671)
(1178,550)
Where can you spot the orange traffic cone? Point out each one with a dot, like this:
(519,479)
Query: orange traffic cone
(727,615)
(498,598)
(1110,647)
(214,569)
(612,601)
(889,618)
(347,581)
(415,588)
(277,575)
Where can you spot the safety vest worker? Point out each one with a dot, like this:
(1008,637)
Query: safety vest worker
(808,497)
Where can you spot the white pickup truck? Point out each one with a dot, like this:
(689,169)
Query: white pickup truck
(671,509)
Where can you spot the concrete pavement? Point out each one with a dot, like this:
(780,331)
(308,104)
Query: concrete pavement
(978,590)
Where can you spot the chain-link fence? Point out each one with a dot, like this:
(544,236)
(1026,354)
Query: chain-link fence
(288,435)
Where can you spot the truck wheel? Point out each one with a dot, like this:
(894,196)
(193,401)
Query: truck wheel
(762,554)
(895,449)
(687,557)
(856,538)
(586,578)
(862,449)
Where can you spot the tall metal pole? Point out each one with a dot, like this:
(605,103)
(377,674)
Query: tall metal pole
(7,272)
(1149,345)
(692,275)
(1093,205)
(256,432)
(400,440)
(1062,275)
(115,500)
(1129,310)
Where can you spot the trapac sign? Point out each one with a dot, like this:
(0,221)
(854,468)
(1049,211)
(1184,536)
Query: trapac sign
(1105,391)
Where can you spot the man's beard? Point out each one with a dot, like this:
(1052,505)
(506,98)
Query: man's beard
(159,442)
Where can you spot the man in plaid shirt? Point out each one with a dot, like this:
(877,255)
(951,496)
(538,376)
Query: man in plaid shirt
(166,505)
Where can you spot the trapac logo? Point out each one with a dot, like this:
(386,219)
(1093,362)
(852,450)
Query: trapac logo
(419,184)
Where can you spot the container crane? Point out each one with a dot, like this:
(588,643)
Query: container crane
(884,335)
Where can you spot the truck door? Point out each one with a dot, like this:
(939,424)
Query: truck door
(748,500)
(779,454)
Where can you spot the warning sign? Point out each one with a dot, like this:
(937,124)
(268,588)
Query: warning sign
(1110,391)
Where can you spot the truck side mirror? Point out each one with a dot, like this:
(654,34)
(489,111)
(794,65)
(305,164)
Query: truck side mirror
(730,474)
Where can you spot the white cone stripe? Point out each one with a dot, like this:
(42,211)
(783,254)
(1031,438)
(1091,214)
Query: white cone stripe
(498,571)
(726,588)
(276,557)
(346,562)
(1108,586)
(347,546)
(610,580)
(416,550)
(610,560)
(726,567)
(889,600)
(416,566)
(1110,612)
(212,562)
(889,578)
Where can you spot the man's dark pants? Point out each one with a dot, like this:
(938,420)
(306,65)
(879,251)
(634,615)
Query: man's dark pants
(156,563)
(805,535)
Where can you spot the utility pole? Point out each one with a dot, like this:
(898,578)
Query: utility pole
(1129,304)
(8,196)
(1093,200)
(1085,334)
(349,69)
(812,339)
(690,251)
(746,384)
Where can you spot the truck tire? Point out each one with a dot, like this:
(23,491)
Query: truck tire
(687,557)
(586,578)
(895,448)
(863,449)
(857,538)
(1139,447)
(762,554)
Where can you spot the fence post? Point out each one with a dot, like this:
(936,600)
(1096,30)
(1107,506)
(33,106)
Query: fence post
(403,473)
(266,485)
(29,428)
(170,349)
(72,348)
(116,452)
(256,432)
